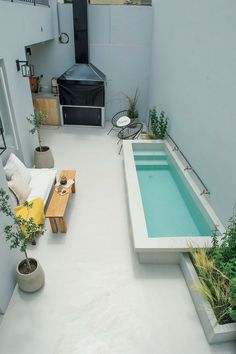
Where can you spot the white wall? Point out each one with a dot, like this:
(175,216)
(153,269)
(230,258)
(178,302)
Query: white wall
(52,58)
(120,45)
(193,80)
(20,25)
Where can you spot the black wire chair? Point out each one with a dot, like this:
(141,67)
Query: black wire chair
(115,119)
(132,131)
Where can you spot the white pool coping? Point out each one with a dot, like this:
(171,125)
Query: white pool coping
(138,223)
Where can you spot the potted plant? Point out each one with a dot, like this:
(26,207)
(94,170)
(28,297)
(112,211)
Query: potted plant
(132,111)
(211,278)
(43,157)
(157,125)
(29,273)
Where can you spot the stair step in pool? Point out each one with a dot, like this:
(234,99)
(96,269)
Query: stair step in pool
(151,162)
(149,157)
(149,153)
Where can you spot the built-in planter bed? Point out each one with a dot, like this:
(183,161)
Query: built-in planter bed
(215,333)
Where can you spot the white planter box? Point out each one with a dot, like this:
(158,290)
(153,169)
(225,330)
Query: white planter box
(215,333)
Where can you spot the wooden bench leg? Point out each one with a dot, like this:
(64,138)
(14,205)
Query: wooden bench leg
(53,225)
(73,187)
(63,225)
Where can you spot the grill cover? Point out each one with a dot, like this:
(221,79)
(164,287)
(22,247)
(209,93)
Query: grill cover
(82,85)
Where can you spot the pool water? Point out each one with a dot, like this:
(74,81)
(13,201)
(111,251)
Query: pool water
(169,208)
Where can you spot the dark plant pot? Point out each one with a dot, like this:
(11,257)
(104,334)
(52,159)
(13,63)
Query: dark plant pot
(63,182)
(44,158)
(33,281)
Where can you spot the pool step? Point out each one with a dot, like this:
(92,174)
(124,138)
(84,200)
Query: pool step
(150,158)
(149,153)
(155,157)
(151,162)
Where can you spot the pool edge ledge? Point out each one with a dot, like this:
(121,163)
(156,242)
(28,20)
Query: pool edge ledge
(158,257)
(214,332)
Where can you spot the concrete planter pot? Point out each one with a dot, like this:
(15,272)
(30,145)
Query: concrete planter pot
(33,281)
(215,333)
(44,158)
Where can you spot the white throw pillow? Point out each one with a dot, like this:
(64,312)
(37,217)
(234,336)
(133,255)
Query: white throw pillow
(13,164)
(19,187)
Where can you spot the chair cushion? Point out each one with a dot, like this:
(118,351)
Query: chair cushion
(13,164)
(19,187)
(123,121)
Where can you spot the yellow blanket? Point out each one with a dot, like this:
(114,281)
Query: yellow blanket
(36,212)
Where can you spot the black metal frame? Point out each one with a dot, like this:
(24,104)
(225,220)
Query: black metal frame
(117,116)
(25,63)
(115,119)
(189,166)
(34,2)
(130,136)
(2,148)
(18,62)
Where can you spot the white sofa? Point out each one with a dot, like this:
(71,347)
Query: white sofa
(40,180)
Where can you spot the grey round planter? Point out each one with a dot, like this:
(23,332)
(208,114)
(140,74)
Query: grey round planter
(44,158)
(30,282)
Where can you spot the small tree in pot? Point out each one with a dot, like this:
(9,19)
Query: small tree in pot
(29,274)
(42,156)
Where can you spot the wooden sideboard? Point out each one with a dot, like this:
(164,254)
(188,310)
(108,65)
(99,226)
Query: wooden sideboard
(48,104)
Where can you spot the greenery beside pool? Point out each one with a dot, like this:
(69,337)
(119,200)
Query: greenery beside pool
(216,268)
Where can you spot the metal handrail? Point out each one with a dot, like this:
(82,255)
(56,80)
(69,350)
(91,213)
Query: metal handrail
(189,166)
(34,2)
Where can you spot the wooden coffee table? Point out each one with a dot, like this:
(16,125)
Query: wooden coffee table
(58,203)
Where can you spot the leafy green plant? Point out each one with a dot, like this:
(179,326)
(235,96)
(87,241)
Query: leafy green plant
(216,269)
(232,311)
(21,231)
(162,126)
(153,122)
(215,287)
(36,121)
(224,249)
(157,124)
(132,106)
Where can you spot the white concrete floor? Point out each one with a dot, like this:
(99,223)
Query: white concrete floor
(97,298)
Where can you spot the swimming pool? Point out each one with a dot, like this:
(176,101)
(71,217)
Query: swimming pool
(167,211)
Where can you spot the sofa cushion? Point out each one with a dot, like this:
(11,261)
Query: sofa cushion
(42,180)
(13,164)
(36,212)
(13,198)
(19,187)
